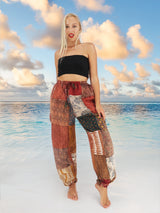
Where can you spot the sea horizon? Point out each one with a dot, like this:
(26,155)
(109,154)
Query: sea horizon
(103,102)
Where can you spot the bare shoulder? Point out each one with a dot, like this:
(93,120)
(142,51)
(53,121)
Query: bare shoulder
(56,54)
(90,49)
(89,45)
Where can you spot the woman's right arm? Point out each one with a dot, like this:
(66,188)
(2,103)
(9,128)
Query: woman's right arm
(56,62)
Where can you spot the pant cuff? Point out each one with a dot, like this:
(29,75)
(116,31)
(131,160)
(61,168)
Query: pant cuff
(74,181)
(103,182)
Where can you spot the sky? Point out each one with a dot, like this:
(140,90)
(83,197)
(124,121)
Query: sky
(126,35)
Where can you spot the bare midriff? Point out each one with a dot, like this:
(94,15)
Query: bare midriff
(72,77)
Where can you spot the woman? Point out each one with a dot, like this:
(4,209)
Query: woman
(72,97)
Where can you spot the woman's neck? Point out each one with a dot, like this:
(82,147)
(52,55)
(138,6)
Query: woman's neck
(73,44)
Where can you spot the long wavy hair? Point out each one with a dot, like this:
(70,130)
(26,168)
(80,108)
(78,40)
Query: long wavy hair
(63,36)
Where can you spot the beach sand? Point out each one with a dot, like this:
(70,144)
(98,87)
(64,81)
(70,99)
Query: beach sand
(33,185)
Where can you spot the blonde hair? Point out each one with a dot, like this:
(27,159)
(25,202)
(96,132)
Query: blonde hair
(63,36)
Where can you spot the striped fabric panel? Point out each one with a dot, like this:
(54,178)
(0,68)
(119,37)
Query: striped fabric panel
(95,140)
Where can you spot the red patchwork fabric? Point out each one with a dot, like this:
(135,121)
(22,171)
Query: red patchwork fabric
(87,90)
(90,103)
(58,93)
(59,112)
(76,99)
(75,89)
(60,136)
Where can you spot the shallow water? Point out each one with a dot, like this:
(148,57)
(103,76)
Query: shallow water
(26,130)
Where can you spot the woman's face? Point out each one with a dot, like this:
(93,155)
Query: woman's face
(72,29)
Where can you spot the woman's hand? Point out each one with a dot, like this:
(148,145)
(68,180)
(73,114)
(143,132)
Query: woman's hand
(100,110)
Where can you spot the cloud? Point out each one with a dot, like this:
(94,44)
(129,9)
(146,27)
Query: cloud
(39,93)
(105,91)
(156,67)
(35,5)
(31,87)
(14,57)
(18,59)
(6,1)
(157,59)
(104,88)
(157,83)
(87,23)
(7,35)
(17,93)
(94,5)
(137,85)
(149,89)
(25,77)
(138,41)
(110,44)
(51,36)
(146,89)
(144,92)
(124,75)
(3,84)
(141,71)
(152,90)
(2,48)
(49,39)
(52,15)
(116,83)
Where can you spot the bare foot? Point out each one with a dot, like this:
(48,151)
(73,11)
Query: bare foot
(72,192)
(105,202)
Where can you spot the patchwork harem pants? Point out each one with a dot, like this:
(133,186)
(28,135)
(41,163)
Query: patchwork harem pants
(76,99)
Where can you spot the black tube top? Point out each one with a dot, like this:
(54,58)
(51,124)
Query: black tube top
(73,64)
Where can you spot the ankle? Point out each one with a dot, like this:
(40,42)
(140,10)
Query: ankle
(73,185)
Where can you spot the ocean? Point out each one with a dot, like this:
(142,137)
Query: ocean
(25,127)
(25,145)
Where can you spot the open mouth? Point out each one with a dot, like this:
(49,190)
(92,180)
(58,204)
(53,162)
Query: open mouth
(71,35)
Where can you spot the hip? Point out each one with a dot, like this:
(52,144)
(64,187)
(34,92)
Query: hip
(62,89)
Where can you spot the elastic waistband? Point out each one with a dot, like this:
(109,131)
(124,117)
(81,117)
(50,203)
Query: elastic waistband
(70,82)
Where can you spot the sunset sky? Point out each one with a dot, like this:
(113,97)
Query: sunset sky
(126,35)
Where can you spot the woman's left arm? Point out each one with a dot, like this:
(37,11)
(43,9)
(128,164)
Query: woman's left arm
(92,55)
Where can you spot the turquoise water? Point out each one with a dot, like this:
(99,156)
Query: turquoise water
(26,131)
